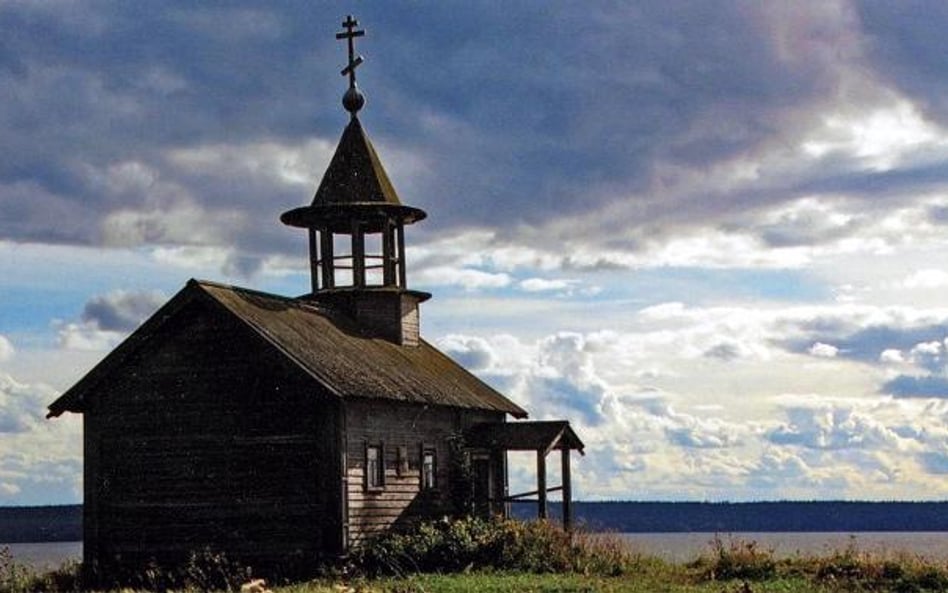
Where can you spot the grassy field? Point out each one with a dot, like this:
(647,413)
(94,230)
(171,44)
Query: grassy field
(556,583)
(473,555)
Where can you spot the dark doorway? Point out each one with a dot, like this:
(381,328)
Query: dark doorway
(480,468)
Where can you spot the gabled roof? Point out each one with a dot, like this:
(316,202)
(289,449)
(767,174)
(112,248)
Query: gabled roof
(326,346)
(524,436)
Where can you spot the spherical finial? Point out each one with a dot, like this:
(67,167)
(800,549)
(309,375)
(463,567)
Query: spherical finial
(353,100)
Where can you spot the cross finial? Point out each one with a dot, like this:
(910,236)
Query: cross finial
(353,100)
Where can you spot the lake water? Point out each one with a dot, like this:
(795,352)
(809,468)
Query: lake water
(45,555)
(675,547)
(683,547)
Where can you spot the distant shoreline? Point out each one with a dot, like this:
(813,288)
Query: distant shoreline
(59,523)
(36,524)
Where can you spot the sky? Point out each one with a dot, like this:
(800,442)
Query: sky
(709,234)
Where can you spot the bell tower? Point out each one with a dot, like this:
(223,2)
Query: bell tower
(356,226)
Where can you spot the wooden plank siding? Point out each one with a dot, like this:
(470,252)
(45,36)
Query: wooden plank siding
(208,437)
(411,428)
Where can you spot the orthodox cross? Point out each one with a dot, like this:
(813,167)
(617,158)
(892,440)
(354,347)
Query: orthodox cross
(349,35)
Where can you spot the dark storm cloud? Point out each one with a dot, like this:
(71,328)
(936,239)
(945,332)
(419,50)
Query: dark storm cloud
(575,109)
(867,344)
(121,311)
(908,45)
(521,116)
(125,82)
(917,386)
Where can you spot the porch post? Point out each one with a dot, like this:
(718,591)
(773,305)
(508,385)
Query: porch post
(541,484)
(567,491)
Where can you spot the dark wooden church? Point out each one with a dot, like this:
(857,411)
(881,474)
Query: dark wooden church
(287,429)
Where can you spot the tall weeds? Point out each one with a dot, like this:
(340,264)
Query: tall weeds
(500,544)
(20,578)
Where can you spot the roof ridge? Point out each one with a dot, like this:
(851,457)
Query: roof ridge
(299,302)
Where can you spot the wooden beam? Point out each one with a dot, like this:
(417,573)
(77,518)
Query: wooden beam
(555,441)
(313,259)
(388,254)
(567,491)
(514,497)
(358,255)
(326,257)
(400,239)
(541,485)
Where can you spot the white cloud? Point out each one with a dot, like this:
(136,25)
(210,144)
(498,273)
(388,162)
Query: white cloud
(543,284)
(473,353)
(826,425)
(292,164)
(87,337)
(467,278)
(821,350)
(21,405)
(928,278)
(891,356)
(881,138)
(42,460)
(186,224)
(6,349)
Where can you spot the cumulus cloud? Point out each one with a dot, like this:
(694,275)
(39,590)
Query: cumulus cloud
(41,461)
(473,353)
(826,426)
(21,406)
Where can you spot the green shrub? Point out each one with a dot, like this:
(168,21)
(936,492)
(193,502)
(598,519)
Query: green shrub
(501,544)
(852,569)
(210,570)
(19,578)
(737,559)
(14,577)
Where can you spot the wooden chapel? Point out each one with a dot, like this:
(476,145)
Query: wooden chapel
(282,430)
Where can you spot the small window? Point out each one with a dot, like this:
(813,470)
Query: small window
(374,467)
(428,469)
(401,462)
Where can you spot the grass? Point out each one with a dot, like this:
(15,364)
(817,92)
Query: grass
(471,555)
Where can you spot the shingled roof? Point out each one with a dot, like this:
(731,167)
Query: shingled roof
(354,184)
(355,173)
(327,346)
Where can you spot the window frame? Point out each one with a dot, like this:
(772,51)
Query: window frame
(374,481)
(423,484)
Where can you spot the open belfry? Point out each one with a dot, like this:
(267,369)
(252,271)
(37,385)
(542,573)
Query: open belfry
(284,430)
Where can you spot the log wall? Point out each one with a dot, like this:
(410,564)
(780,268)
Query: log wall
(207,437)
(408,428)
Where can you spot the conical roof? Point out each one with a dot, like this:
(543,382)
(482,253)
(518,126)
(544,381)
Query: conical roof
(355,186)
(355,174)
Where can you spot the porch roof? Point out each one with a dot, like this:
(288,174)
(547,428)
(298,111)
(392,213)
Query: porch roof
(541,436)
